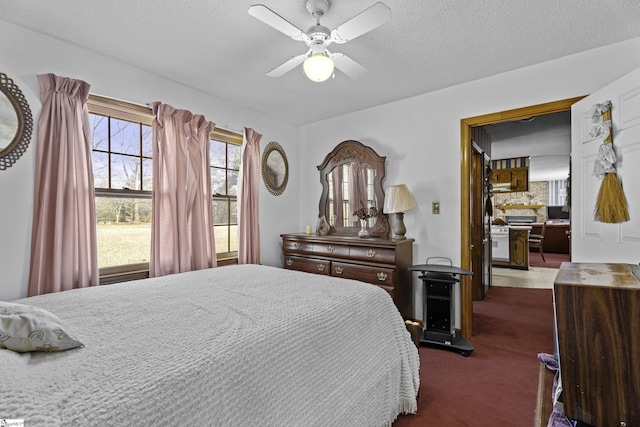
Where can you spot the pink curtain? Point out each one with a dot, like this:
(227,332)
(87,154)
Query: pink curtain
(182,223)
(248,199)
(63,241)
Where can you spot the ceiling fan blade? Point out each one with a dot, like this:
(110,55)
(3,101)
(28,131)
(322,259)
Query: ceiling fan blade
(276,21)
(288,65)
(367,20)
(348,66)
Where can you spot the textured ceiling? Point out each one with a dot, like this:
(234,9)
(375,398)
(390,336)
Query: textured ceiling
(215,46)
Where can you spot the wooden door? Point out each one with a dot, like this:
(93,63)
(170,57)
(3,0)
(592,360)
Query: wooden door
(502,176)
(481,225)
(518,249)
(486,214)
(591,240)
(520,179)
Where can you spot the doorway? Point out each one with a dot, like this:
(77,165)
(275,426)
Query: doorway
(468,192)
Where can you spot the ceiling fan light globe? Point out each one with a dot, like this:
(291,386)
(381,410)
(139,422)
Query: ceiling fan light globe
(318,67)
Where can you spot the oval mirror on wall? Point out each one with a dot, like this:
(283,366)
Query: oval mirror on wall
(16,123)
(275,168)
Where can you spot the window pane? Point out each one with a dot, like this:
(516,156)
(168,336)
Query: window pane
(234,212)
(100,131)
(233,183)
(221,236)
(218,153)
(100,163)
(125,137)
(147,141)
(147,175)
(125,172)
(233,238)
(235,152)
(220,211)
(123,230)
(218,182)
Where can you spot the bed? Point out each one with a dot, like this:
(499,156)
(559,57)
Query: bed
(242,345)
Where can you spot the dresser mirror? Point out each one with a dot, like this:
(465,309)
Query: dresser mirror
(275,168)
(16,122)
(351,176)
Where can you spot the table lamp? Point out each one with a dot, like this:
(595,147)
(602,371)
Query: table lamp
(398,200)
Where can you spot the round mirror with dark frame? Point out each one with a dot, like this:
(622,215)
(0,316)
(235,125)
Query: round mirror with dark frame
(351,176)
(16,123)
(275,168)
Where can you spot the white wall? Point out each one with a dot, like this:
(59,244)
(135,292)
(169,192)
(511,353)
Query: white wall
(25,54)
(421,138)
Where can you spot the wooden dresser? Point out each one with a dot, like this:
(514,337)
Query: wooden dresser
(380,261)
(598,326)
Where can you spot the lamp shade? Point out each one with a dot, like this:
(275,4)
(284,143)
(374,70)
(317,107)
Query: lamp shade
(318,67)
(398,199)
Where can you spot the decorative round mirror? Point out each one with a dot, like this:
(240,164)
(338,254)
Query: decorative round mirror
(16,123)
(275,168)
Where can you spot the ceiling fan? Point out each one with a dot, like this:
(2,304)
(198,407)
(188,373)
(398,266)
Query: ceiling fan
(318,62)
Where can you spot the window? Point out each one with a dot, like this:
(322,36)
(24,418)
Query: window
(225,152)
(121,156)
(122,169)
(557,192)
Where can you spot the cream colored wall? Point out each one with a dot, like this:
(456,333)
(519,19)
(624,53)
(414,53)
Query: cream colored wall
(25,54)
(421,138)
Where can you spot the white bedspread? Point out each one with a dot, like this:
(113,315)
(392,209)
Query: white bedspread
(230,346)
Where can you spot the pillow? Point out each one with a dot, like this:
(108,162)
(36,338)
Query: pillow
(26,328)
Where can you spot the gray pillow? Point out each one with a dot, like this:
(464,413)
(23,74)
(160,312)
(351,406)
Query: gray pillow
(25,328)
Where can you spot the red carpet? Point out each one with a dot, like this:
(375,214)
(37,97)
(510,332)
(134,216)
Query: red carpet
(496,385)
(551,260)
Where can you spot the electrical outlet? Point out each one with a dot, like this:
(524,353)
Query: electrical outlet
(435,207)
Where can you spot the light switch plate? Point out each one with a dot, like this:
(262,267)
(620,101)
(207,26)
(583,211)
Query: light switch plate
(435,207)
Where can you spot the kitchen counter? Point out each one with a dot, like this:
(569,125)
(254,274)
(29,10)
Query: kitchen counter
(557,237)
(510,246)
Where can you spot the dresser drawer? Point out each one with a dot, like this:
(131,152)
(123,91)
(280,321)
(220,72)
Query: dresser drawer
(379,261)
(297,246)
(331,250)
(309,265)
(373,254)
(376,275)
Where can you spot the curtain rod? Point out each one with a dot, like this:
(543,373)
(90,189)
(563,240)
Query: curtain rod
(148,105)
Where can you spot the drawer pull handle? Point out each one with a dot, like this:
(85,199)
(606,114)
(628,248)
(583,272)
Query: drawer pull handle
(330,249)
(321,267)
(371,253)
(339,270)
(289,262)
(296,245)
(382,276)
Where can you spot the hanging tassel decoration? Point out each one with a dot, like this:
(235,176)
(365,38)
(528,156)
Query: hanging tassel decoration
(488,206)
(611,204)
